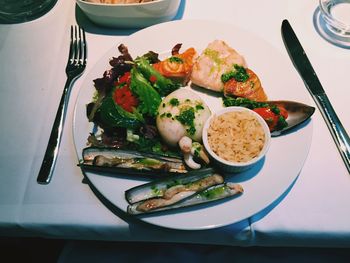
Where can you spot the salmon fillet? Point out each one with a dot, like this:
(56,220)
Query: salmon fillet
(215,60)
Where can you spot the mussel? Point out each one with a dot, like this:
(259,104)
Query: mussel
(119,161)
(297,114)
(196,187)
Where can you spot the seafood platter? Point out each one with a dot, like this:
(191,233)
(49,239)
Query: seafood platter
(150,112)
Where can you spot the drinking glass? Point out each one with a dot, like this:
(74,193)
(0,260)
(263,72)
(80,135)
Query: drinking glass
(336,14)
(332,21)
(19,11)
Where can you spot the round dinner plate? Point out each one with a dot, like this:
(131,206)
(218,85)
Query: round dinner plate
(263,184)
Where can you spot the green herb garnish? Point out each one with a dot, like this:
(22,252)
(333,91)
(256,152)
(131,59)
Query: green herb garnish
(176,60)
(239,73)
(186,118)
(174,102)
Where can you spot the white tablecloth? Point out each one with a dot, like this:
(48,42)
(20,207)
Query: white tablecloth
(315,212)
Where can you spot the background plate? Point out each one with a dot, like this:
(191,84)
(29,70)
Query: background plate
(264,183)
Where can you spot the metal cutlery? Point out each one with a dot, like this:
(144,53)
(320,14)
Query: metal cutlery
(75,67)
(305,69)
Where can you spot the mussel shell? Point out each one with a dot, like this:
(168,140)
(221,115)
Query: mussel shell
(90,153)
(156,187)
(297,114)
(226,190)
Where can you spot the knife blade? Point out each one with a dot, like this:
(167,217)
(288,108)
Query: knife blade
(312,83)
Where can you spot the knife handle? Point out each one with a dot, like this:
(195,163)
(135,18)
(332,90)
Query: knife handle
(336,128)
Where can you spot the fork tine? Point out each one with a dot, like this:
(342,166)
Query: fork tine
(71,46)
(76,45)
(81,48)
(84,47)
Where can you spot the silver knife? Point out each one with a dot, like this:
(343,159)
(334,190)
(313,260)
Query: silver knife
(304,67)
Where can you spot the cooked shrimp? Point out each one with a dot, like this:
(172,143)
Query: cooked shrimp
(178,67)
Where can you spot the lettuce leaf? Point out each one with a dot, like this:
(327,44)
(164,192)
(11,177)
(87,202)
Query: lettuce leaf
(146,94)
(163,85)
(112,115)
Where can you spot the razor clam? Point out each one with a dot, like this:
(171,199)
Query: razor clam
(131,162)
(297,114)
(168,187)
(185,199)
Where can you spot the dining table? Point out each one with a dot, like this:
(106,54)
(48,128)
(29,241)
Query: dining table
(313,211)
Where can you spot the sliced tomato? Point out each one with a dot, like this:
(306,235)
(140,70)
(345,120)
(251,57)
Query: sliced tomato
(270,117)
(123,95)
(124,79)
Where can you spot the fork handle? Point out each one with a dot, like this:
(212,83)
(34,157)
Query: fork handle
(51,153)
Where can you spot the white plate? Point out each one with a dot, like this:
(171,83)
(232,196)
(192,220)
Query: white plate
(264,183)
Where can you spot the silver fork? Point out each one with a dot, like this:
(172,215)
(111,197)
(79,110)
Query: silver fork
(74,69)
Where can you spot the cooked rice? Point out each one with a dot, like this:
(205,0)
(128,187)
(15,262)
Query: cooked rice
(236,136)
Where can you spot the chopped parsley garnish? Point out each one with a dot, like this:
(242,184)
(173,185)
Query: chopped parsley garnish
(155,190)
(243,102)
(239,73)
(199,107)
(197,148)
(166,114)
(176,60)
(282,123)
(174,102)
(213,193)
(186,118)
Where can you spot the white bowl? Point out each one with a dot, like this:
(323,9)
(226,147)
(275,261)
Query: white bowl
(231,166)
(130,15)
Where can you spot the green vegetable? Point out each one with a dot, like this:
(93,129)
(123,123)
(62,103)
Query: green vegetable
(163,85)
(239,73)
(213,193)
(186,118)
(148,161)
(112,115)
(250,104)
(243,102)
(176,60)
(197,148)
(156,190)
(148,97)
(199,107)
(282,123)
(174,102)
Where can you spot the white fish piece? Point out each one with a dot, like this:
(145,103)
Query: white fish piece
(217,59)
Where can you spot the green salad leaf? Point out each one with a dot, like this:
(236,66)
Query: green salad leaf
(163,85)
(112,115)
(147,95)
